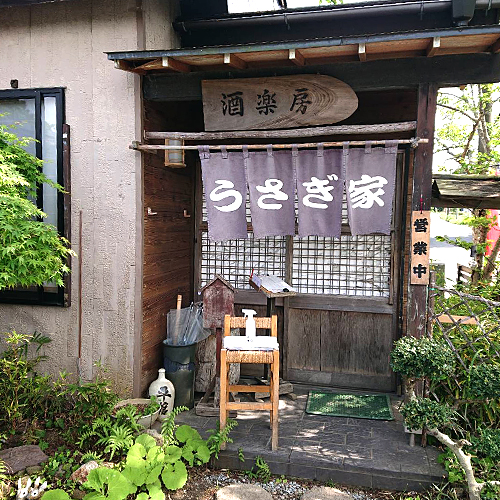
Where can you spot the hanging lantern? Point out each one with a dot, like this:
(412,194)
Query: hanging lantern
(174,158)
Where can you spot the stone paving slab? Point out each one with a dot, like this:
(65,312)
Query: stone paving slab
(325,493)
(360,452)
(243,492)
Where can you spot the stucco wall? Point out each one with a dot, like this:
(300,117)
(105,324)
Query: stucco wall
(63,44)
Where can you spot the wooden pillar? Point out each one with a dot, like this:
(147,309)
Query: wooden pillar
(421,196)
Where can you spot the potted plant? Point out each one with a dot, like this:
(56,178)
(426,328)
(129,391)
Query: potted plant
(145,411)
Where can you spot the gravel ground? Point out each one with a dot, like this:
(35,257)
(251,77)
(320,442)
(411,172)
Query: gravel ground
(290,489)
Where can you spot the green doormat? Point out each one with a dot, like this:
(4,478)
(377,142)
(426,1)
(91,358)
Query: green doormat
(373,406)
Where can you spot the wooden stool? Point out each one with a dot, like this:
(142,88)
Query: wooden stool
(271,358)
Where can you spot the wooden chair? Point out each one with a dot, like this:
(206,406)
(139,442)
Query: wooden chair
(243,356)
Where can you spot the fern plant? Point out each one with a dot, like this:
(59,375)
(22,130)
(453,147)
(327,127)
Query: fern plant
(260,471)
(218,437)
(91,456)
(118,438)
(169,426)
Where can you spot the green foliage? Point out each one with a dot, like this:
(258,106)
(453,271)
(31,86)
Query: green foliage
(195,451)
(135,412)
(149,466)
(30,400)
(422,358)
(59,468)
(423,412)
(487,443)
(168,426)
(91,456)
(241,455)
(20,387)
(484,382)
(218,437)
(107,484)
(31,252)
(260,471)
(57,494)
(111,434)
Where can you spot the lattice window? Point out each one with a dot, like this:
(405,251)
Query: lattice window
(355,265)
(235,259)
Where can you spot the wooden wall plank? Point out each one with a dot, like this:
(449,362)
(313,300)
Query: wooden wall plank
(168,242)
(356,343)
(304,339)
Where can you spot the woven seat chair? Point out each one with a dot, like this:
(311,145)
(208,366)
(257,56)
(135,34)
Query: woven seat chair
(246,356)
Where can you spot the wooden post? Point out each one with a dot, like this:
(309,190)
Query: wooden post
(421,196)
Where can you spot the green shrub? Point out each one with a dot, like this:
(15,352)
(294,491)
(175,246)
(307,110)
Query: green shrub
(423,412)
(423,358)
(485,381)
(487,444)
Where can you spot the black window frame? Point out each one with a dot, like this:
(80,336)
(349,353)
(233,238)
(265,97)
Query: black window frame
(40,296)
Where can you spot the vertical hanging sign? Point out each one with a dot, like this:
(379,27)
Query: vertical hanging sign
(420,247)
(225,193)
(271,185)
(320,182)
(370,184)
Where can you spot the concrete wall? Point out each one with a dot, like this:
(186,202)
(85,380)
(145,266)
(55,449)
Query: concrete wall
(63,44)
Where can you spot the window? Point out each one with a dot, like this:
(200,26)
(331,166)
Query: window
(39,113)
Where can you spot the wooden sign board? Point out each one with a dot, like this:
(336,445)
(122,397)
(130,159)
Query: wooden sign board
(420,247)
(276,102)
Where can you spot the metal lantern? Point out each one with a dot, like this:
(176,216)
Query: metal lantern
(174,158)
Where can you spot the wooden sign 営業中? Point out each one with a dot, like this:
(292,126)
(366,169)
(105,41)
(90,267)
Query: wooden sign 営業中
(420,247)
(276,102)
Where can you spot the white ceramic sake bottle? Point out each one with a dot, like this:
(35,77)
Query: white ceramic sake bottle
(164,391)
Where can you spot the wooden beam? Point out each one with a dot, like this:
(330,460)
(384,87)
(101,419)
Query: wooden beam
(175,65)
(150,65)
(383,74)
(433,46)
(382,128)
(233,61)
(495,48)
(421,196)
(126,66)
(296,57)
(362,51)
(453,319)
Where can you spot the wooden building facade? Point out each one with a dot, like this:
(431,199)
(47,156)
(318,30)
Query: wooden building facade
(140,228)
(354,295)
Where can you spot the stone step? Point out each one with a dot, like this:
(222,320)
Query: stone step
(243,492)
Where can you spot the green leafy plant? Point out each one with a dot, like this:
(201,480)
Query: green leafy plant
(218,437)
(112,435)
(241,455)
(91,456)
(420,413)
(487,444)
(21,388)
(56,494)
(107,484)
(195,451)
(168,426)
(136,411)
(484,382)
(260,471)
(31,252)
(417,358)
(423,412)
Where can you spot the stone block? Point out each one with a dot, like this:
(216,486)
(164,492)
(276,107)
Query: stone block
(17,459)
